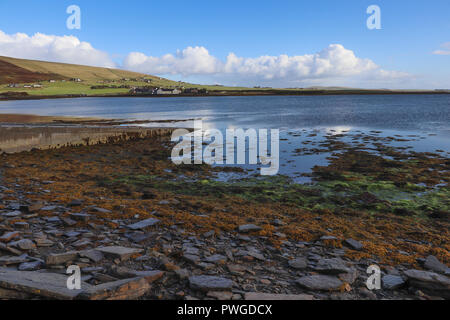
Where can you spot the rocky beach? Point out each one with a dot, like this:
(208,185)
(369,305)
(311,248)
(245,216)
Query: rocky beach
(141,227)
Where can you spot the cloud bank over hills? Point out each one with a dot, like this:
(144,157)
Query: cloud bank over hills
(68,49)
(333,65)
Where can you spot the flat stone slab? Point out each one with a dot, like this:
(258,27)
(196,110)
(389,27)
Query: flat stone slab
(298,263)
(249,228)
(12,214)
(61,258)
(429,282)
(11,260)
(127,289)
(271,296)
(80,216)
(150,276)
(392,282)
(8,236)
(122,253)
(94,255)
(47,285)
(30,266)
(210,283)
(353,244)
(432,263)
(331,266)
(28,284)
(320,282)
(144,224)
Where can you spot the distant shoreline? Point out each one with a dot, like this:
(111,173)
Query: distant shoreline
(228,93)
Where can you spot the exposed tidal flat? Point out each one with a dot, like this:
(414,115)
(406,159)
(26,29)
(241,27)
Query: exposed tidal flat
(346,197)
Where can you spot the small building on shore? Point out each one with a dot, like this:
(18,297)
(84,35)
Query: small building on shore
(168,91)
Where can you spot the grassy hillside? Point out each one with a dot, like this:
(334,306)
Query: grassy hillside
(21,71)
(72,70)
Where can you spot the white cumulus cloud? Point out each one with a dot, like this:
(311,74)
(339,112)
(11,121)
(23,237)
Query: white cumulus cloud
(445,49)
(334,65)
(192,60)
(68,49)
(333,62)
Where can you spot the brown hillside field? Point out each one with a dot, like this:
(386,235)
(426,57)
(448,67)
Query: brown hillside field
(49,70)
(10,73)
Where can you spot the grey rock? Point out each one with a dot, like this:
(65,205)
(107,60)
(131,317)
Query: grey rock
(391,282)
(331,266)
(61,258)
(8,260)
(210,283)
(209,234)
(43,242)
(191,258)
(12,214)
(432,263)
(349,277)
(277,297)
(249,228)
(257,255)
(320,282)
(143,224)
(121,253)
(54,220)
(353,244)
(328,238)
(21,225)
(68,222)
(429,282)
(126,289)
(298,263)
(30,266)
(217,259)
(220,295)
(48,208)
(41,284)
(80,216)
(100,210)
(25,244)
(191,250)
(75,203)
(278,222)
(8,236)
(71,234)
(182,273)
(137,237)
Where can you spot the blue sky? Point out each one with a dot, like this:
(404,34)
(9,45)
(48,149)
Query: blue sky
(411,32)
